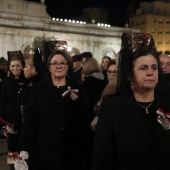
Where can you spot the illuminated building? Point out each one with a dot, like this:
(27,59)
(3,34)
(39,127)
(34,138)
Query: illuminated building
(154,18)
(22,21)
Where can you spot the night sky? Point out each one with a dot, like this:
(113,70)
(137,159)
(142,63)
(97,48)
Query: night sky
(69,9)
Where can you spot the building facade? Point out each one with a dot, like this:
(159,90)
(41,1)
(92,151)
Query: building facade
(21,21)
(154,18)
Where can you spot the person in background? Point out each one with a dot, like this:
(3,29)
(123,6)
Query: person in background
(112,70)
(3,70)
(92,80)
(104,66)
(165,63)
(33,71)
(105,62)
(86,55)
(92,85)
(3,75)
(108,90)
(164,78)
(133,127)
(10,89)
(4,65)
(53,125)
(77,67)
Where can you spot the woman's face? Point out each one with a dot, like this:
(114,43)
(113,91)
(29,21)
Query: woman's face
(145,73)
(58,66)
(29,71)
(15,67)
(104,64)
(112,72)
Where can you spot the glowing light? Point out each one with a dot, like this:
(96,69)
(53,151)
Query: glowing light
(69,48)
(103,25)
(68,20)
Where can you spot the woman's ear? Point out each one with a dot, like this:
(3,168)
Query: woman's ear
(34,70)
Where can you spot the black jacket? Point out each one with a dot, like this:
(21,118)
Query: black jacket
(123,141)
(9,97)
(54,127)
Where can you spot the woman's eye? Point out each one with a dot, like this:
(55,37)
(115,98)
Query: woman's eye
(154,67)
(143,68)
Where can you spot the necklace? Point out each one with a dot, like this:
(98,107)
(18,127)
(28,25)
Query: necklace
(146,108)
(58,84)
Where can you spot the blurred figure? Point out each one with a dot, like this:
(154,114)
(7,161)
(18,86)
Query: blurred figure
(105,62)
(4,65)
(108,90)
(92,80)
(164,78)
(3,74)
(104,65)
(11,87)
(77,62)
(165,63)
(92,85)
(112,70)
(53,123)
(77,67)
(33,71)
(3,69)
(85,56)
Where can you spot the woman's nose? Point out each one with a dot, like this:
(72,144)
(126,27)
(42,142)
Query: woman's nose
(149,72)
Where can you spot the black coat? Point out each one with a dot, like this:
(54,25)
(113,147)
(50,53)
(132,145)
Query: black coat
(2,76)
(9,106)
(9,97)
(76,75)
(164,84)
(123,141)
(54,127)
(90,92)
(23,99)
(92,88)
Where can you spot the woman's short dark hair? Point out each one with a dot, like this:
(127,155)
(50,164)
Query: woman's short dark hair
(111,62)
(65,55)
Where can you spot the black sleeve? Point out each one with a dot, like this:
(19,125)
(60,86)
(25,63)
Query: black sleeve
(4,99)
(29,129)
(104,156)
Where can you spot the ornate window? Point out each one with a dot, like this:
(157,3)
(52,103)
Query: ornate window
(109,52)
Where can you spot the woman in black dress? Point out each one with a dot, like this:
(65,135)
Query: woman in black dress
(10,89)
(133,127)
(53,125)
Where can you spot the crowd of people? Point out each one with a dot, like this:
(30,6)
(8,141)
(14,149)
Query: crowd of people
(68,113)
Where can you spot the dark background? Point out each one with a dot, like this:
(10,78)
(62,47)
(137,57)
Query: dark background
(69,9)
